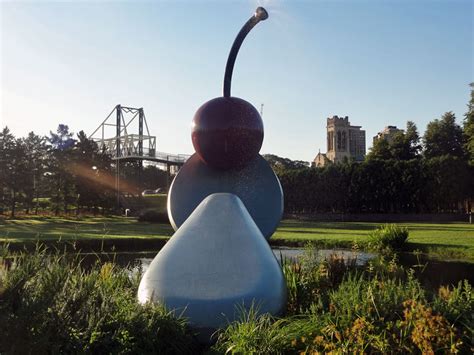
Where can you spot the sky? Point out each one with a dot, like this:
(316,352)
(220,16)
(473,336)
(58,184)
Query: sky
(379,62)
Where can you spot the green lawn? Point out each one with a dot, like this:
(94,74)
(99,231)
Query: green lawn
(447,240)
(53,228)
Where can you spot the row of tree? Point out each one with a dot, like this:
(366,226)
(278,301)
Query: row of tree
(62,173)
(408,173)
(439,184)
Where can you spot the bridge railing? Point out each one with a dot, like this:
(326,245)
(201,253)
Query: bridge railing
(152,153)
(133,151)
(180,158)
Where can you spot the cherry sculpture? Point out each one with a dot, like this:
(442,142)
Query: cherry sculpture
(228,131)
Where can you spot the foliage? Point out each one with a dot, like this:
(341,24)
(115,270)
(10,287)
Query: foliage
(438,184)
(50,304)
(73,174)
(92,170)
(311,278)
(395,178)
(36,154)
(448,182)
(13,169)
(60,148)
(443,137)
(388,237)
(252,334)
(380,308)
(405,145)
(468,128)
(457,305)
(278,163)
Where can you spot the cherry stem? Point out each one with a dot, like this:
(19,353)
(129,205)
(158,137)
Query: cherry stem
(260,15)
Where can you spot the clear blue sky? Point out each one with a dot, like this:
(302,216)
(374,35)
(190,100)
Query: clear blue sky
(378,62)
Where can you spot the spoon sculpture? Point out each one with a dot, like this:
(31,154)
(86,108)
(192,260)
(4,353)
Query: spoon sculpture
(223,204)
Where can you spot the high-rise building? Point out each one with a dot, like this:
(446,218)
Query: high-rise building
(388,133)
(343,141)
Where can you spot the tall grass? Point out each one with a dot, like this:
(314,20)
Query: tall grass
(378,308)
(50,304)
(252,334)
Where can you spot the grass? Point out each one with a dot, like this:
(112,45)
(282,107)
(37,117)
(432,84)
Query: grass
(51,303)
(445,240)
(54,228)
(335,307)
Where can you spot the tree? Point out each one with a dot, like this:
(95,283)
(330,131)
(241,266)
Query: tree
(278,163)
(92,176)
(443,137)
(447,183)
(60,149)
(404,145)
(36,152)
(468,127)
(7,142)
(380,150)
(13,168)
(153,178)
(85,171)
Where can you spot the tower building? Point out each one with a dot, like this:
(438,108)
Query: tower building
(343,141)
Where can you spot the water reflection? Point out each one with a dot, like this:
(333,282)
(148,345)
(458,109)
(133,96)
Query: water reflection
(143,261)
(432,273)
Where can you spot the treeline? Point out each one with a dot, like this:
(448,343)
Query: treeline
(61,174)
(408,174)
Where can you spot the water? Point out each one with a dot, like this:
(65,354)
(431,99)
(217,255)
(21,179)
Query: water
(289,253)
(431,273)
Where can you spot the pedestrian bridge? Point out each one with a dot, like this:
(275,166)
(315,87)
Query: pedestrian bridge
(132,146)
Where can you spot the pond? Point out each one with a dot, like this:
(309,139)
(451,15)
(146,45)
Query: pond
(431,273)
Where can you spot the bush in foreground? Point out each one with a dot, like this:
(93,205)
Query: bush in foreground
(380,308)
(49,304)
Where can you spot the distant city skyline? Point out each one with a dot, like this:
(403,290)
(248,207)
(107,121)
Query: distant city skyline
(379,62)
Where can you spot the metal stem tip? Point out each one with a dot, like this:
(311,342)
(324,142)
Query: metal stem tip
(261,13)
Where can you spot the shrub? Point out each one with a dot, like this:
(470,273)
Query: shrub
(50,304)
(378,308)
(153,216)
(457,305)
(309,279)
(427,331)
(388,237)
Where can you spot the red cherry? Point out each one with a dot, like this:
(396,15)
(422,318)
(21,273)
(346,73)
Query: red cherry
(227,132)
